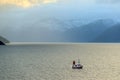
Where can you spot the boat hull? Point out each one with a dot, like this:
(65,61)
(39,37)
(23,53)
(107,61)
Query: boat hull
(79,66)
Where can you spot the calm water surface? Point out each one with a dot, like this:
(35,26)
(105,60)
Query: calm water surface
(53,61)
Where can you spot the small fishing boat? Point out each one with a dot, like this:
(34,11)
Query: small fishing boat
(77,66)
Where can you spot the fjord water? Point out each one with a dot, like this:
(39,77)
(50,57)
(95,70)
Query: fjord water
(54,61)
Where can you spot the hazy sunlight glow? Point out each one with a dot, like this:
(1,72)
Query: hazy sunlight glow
(49,1)
(26,3)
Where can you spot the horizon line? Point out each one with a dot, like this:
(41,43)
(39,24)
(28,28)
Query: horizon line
(38,43)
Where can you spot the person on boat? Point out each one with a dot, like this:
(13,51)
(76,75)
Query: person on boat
(73,62)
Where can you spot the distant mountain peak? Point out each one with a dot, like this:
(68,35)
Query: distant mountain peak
(106,22)
(90,31)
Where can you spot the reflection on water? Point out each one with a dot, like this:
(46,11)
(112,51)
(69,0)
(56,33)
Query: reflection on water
(25,3)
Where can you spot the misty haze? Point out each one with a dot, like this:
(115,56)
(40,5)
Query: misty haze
(59,39)
(59,20)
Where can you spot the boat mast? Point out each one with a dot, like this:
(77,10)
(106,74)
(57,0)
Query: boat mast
(78,61)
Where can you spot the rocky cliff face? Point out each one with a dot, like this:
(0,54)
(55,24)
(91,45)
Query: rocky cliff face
(3,41)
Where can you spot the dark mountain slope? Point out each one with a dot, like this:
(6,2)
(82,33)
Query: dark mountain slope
(110,35)
(3,41)
(89,32)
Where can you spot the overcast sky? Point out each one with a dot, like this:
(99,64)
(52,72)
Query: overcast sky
(18,16)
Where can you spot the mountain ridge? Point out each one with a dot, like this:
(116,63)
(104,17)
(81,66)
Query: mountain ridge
(110,35)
